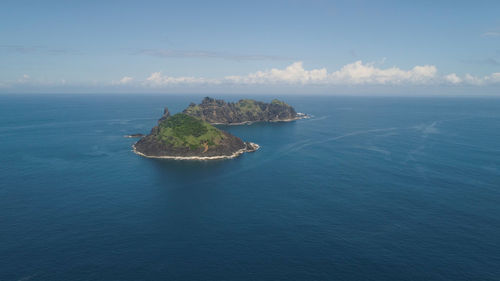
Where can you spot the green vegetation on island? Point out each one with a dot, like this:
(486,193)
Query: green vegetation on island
(181,130)
(191,134)
(249,107)
(181,136)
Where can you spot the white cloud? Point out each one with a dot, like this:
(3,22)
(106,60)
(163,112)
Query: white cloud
(359,73)
(294,74)
(126,80)
(453,78)
(350,74)
(157,79)
(123,81)
(24,79)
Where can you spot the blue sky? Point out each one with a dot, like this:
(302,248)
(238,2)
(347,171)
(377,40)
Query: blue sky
(331,47)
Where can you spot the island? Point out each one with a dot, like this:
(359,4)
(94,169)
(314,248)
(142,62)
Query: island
(245,111)
(184,137)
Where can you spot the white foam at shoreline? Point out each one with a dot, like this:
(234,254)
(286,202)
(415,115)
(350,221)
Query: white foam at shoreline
(304,116)
(234,155)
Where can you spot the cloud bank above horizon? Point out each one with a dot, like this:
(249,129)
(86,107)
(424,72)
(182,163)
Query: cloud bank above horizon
(356,73)
(352,74)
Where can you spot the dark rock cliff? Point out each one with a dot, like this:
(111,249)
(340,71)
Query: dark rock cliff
(244,111)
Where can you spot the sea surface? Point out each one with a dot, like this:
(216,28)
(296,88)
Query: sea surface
(369,188)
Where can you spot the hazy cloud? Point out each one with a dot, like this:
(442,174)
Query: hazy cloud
(123,81)
(22,49)
(19,48)
(168,53)
(491,34)
(24,79)
(487,61)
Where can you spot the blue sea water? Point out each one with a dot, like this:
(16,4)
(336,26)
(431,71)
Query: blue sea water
(370,188)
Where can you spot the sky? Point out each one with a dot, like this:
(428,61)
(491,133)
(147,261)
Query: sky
(320,47)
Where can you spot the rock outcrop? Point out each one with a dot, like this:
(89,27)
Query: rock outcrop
(244,111)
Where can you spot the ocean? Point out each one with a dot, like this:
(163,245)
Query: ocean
(369,188)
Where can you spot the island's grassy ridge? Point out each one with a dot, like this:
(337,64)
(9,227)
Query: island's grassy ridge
(181,130)
(278,102)
(193,109)
(249,107)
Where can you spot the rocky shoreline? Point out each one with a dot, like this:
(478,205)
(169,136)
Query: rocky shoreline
(298,117)
(249,147)
(132,136)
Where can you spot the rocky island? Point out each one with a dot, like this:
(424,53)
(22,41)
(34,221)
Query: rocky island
(245,111)
(185,137)
(133,136)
